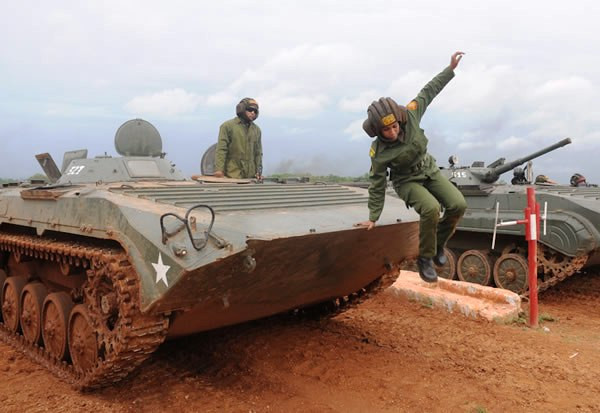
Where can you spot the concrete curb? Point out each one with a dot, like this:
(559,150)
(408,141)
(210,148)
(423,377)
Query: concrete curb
(471,300)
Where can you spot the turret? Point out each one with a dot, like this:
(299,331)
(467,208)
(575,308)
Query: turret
(142,159)
(478,174)
(494,173)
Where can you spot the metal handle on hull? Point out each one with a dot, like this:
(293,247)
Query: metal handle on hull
(198,244)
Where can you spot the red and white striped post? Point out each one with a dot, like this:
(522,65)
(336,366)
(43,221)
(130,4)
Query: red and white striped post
(532,234)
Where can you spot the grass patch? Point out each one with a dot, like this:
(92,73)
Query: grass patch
(521,320)
(428,302)
(546,317)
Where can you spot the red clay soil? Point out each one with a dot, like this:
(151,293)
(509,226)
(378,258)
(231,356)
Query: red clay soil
(387,355)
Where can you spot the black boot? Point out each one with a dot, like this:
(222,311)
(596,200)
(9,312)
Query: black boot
(440,258)
(426,270)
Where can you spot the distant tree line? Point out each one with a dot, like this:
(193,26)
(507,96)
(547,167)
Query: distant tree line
(38,176)
(323,178)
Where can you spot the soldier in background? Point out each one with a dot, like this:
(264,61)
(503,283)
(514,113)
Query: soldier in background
(401,147)
(544,180)
(239,148)
(519,177)
(579,180)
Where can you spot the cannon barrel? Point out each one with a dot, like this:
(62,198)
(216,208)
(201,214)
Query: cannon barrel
(495,173)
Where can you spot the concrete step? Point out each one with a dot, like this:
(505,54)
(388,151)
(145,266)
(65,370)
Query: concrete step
(468,299)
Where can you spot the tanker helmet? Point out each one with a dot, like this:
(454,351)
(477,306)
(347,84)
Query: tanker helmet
(244,105)
(541,179)
(382,113)
(578,180)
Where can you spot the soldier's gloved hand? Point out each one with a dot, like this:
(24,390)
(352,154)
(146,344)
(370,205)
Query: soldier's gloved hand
(366,224)
(219,174)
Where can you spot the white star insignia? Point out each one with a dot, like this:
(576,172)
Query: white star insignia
(161,270)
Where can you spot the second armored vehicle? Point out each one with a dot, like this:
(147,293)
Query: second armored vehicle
(571,242)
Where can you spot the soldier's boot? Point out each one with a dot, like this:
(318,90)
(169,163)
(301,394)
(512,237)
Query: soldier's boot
(440,258)
(426,269)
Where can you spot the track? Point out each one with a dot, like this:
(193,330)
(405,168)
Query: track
(123,337)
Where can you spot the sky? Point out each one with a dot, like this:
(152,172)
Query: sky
(73,71)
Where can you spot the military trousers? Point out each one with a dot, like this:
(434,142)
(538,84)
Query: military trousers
(428,196)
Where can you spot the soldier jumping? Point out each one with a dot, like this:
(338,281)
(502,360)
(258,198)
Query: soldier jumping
(401,148)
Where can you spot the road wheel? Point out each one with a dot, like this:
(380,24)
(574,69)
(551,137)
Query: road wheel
(474,266)
(83,342)
(32,299)
(11,302)
(55,318)
(511,273)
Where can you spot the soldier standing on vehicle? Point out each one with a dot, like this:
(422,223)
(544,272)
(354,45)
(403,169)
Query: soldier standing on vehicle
(401,147)
(239,149)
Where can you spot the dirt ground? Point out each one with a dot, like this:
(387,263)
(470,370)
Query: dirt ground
(387,355)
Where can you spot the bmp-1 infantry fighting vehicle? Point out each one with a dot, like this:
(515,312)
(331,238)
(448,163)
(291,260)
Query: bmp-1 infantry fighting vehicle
(571,242)
(119,253)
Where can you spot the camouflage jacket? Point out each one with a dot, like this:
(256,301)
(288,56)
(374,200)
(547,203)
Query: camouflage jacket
(239,149)
(407,159)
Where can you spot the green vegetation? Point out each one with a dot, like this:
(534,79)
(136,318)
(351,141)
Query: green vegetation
(38,176)
(521,319)
(546,317)
(323,178)
(427,302)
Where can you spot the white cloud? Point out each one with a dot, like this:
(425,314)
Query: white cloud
(295,83)
(355,130)
(471,145)
(280,105)
(223,98)
(358,103)
(405,87)
(588,141)
(512,142)
(314,61)
(66,110)
(483,90)
(566,88)
(295,130)
(166,103)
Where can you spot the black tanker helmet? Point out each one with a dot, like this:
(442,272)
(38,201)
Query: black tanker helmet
(382,113)
(577,180)
(244,105)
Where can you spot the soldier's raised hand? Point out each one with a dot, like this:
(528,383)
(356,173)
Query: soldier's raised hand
(455,59)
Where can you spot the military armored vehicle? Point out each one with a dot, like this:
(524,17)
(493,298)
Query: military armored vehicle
(571,241)
(117,254)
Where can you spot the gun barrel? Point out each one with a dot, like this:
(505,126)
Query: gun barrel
(499,170)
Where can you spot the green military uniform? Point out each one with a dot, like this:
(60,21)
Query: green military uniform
(239,149)
(415,175)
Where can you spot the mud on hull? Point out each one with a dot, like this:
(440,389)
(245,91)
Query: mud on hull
(302,270)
